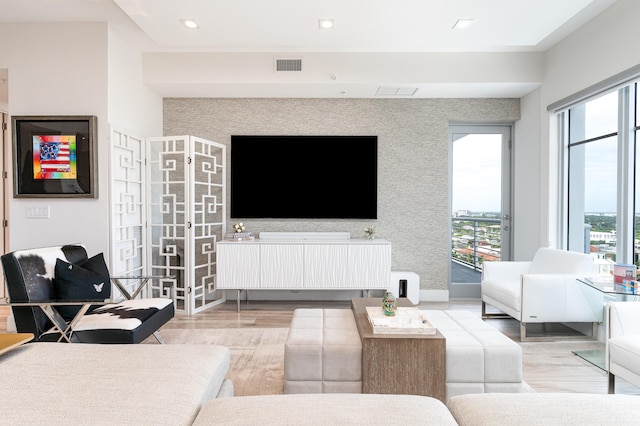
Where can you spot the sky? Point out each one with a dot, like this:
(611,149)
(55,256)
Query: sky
(476,183)
(601,156)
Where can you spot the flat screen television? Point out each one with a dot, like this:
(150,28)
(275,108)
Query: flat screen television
(304,177)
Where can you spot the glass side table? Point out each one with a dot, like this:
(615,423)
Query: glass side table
(602,290)
(606,286)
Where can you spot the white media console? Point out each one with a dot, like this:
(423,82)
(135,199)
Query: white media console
(303,264)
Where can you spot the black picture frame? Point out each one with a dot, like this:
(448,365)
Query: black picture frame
(65,160)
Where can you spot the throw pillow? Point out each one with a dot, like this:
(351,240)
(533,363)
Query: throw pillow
(85,281)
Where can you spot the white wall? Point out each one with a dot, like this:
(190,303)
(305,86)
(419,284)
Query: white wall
(74,69)
(600,49)
(59,69)
(250,75)
(133,107)
(526,179)
(413,160)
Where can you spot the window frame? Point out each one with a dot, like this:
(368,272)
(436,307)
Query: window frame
(627,153)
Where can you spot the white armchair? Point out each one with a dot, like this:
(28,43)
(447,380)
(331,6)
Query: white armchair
(622,355)
(543,290)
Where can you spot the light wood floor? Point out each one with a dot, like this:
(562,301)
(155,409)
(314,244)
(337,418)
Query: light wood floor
(548,366)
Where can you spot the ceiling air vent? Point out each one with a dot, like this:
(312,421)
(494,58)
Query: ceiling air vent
(288,64)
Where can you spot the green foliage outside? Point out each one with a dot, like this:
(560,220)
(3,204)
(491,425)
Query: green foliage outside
(601,223)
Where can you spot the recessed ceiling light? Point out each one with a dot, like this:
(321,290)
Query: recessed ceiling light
(326,24)
(190,23)
(462,23)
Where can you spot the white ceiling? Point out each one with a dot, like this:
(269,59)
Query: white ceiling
(291,26)
(360,25)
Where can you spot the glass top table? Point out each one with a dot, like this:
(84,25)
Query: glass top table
(602,290)
(607,286)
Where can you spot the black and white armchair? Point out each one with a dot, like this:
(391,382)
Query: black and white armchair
(60,294)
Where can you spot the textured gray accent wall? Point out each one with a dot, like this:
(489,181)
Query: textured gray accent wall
(413,160)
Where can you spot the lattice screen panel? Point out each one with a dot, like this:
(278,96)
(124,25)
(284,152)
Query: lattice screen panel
(186,193)
(208,218)
(127,210)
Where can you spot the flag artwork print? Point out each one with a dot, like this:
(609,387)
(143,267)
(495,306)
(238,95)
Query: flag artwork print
(54,157)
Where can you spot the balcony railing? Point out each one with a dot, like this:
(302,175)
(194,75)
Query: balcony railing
(474,240)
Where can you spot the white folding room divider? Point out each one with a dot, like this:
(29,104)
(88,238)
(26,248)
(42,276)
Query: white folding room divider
(182,193)
(128,232)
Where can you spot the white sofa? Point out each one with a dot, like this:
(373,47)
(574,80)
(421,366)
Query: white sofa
(622,355)
(326,409)
(543,290)
(115,384)
(71,384)
(549,409)
(488,409)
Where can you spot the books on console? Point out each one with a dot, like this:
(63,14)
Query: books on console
(239,236)
(623,271)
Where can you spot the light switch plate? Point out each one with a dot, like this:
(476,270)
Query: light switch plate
(39,212)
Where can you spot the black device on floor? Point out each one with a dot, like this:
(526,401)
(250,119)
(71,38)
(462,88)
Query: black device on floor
(402,290)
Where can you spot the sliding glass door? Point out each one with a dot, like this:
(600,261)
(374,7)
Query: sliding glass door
(480,202)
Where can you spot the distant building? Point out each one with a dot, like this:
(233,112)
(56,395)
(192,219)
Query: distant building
(481,254)
(607,237)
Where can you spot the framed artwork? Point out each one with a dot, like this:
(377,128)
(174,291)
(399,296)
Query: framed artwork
(55,156)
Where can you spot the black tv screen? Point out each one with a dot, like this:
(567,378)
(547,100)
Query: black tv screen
(304,177)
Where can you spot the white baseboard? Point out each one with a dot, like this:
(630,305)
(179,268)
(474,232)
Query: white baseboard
(304,295)
(434,295)
(327,295)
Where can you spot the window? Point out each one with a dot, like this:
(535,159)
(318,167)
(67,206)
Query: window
(600,203)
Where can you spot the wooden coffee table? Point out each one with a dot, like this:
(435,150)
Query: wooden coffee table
(13,340)
(411,364)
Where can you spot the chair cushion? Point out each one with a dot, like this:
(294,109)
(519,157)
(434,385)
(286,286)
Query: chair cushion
(506,291)
(554,261)
(130,321)
(625,350)
(87,280)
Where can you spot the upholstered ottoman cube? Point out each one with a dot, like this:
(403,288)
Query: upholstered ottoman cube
(502,356)
(479,358)
(464,356)
(323,352)
(303,352)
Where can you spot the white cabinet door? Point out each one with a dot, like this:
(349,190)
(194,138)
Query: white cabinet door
(238,266)
(370,266)
(281,266)
(325,266)
(303,265)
